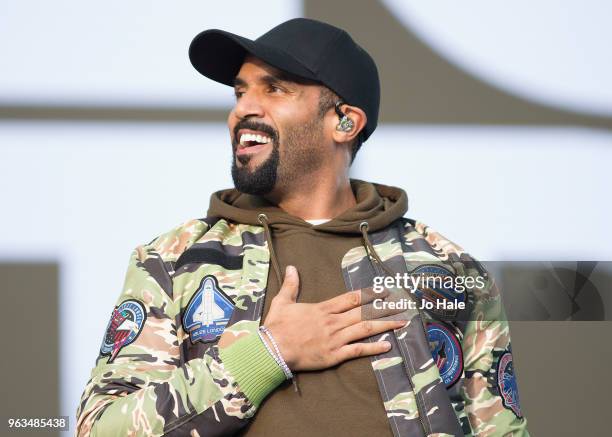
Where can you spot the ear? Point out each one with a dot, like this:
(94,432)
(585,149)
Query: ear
(359,119)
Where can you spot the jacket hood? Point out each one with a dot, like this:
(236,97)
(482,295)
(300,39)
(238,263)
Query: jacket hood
(377,204)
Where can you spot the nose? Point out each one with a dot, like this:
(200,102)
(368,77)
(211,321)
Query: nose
(248,105)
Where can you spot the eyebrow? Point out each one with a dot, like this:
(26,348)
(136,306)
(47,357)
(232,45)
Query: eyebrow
(239,82)
(278,77)
(270,79)
(267,79)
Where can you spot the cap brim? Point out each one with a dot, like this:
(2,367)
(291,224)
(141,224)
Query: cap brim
(218,55)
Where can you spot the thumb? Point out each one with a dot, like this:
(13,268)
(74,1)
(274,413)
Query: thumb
(291,284)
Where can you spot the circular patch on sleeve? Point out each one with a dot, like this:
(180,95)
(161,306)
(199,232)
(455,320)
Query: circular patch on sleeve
(123,328)
(506,383)
(446,352)
(437,285)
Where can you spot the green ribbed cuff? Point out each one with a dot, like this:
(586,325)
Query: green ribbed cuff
(254,369)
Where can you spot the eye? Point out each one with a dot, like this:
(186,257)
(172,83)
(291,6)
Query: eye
(275,89)
(238,93)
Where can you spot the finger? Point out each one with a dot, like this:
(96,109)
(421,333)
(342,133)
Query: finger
(365,329)
(291,284)
(351,299)
(356,350)
(393,307)
(370,311)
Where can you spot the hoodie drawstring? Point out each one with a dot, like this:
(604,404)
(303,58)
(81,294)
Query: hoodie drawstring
(263,219)
(374,257)
(369,247)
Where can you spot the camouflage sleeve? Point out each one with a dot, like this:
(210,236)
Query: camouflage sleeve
(490,388)
(141,386)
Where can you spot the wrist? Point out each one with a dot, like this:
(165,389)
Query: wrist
(272,346)
(283,348)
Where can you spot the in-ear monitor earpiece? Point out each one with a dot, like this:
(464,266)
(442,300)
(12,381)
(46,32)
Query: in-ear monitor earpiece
(345,124)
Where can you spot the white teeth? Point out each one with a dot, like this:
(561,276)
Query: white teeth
(252,137)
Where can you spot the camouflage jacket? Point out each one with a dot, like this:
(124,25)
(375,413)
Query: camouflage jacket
(439,379)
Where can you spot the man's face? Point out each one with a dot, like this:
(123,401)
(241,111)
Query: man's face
(275,128)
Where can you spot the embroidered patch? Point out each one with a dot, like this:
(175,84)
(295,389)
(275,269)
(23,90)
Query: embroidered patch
(437,284)
(446,352)
(506,383)
(123,328)
(208,311)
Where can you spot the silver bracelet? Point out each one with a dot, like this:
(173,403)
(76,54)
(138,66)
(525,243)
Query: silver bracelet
(270,351)
(277,356)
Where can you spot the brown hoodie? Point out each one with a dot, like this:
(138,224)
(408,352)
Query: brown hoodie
(344,399)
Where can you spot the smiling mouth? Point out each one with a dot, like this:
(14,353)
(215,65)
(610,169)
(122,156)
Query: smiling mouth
(251,143)
(250,140)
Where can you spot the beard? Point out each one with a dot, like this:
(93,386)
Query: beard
(259,181)
(301,156)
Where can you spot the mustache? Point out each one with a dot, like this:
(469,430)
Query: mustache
(255,125)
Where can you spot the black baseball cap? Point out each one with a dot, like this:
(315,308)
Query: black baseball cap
(306,48)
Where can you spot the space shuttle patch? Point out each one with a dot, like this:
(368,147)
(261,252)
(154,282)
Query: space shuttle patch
(208,311)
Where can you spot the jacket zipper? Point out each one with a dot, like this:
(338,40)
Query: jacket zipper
(419,401)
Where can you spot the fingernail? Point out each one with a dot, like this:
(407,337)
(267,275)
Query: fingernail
(289,270)
(386,345)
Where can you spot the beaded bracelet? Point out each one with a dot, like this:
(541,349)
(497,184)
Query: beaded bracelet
(269,349)
(276,354)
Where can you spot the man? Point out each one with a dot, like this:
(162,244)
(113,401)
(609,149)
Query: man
(299,246)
